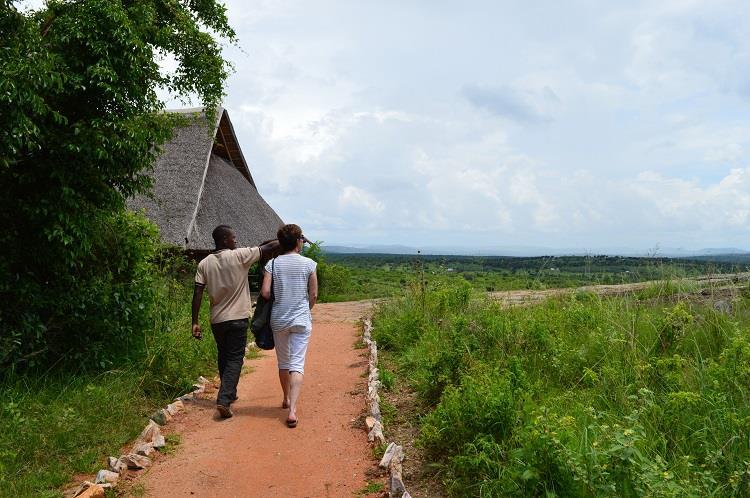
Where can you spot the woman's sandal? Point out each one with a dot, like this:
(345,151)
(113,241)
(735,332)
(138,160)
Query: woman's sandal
(291,423)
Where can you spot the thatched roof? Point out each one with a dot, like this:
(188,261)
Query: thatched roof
(201,180)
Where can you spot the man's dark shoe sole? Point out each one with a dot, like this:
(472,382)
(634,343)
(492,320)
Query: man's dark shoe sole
(224,411)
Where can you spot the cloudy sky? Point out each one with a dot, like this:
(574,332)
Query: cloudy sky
(581,124)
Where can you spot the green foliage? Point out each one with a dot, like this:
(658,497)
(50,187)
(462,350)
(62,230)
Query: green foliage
(334,281)
(483,404)
(82,126)
(577,396)
(314,251)
(672,326)
(370,488)
(387,379)
(171,354)
(93,315)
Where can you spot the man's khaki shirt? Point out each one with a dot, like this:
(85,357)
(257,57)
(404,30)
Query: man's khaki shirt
(224,274)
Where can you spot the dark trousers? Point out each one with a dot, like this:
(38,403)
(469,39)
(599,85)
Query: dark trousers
(231,339)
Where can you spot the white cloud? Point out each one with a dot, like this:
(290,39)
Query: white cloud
(356,197)
(722,206)
(555,124)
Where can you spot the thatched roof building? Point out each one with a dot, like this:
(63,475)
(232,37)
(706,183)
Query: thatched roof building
(201,180)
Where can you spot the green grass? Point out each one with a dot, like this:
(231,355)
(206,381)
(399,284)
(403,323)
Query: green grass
(173,441)
(137,490)
(371,487)
(388,412)
(664,288)
(360,344)
(55,426)
(379,450)
(577,396)
(387,379)
(60,423)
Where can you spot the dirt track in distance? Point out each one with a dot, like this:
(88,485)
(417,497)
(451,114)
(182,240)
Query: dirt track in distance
(524,297)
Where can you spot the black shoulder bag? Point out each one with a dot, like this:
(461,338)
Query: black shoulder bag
(261,322)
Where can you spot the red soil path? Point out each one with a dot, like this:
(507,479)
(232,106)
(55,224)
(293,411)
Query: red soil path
(254,453)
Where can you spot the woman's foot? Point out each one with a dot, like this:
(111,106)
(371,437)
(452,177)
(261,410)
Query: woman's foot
(291,420)
(285,404)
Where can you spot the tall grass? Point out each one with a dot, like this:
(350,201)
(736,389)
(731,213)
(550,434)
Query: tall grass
(60,423)
(578,396)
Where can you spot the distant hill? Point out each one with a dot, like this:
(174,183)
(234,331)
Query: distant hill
(736,258)
(376,249)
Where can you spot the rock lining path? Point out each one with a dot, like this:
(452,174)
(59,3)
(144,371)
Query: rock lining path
(254,454)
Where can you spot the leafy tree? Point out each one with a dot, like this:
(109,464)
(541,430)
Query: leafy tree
(82,125)
(333,279)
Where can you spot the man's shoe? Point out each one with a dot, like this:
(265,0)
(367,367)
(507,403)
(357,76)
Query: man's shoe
(224,411)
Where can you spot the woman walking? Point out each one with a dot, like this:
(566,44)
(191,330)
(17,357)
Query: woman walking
(295,289)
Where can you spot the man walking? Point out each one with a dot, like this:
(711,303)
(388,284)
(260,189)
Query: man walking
(224,274)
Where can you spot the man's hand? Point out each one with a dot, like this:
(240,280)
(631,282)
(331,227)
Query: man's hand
(269,249)
(197,331)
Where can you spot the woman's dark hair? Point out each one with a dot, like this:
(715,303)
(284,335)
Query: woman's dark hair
(288,236)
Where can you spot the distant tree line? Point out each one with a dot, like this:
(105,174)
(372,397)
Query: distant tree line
(597,263)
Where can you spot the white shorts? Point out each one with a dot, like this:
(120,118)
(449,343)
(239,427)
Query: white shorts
(291,347)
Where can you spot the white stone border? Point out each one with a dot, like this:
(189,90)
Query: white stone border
(149,440)
(144,446)
(394,454)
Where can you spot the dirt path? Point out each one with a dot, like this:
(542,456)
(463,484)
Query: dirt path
(254,453)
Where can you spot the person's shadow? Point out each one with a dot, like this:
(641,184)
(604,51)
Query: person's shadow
(261,411)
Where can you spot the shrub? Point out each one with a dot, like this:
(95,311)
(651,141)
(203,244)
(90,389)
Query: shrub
(92,315)
(333,280)
(400,330)
(673,325)
(484,403)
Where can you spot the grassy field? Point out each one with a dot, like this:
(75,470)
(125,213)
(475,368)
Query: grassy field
(643,395)
(348,277)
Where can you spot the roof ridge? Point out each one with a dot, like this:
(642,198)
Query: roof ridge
(191,225)
(187,110)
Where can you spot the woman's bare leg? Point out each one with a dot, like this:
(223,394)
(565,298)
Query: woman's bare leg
(284,380)
(295,386)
